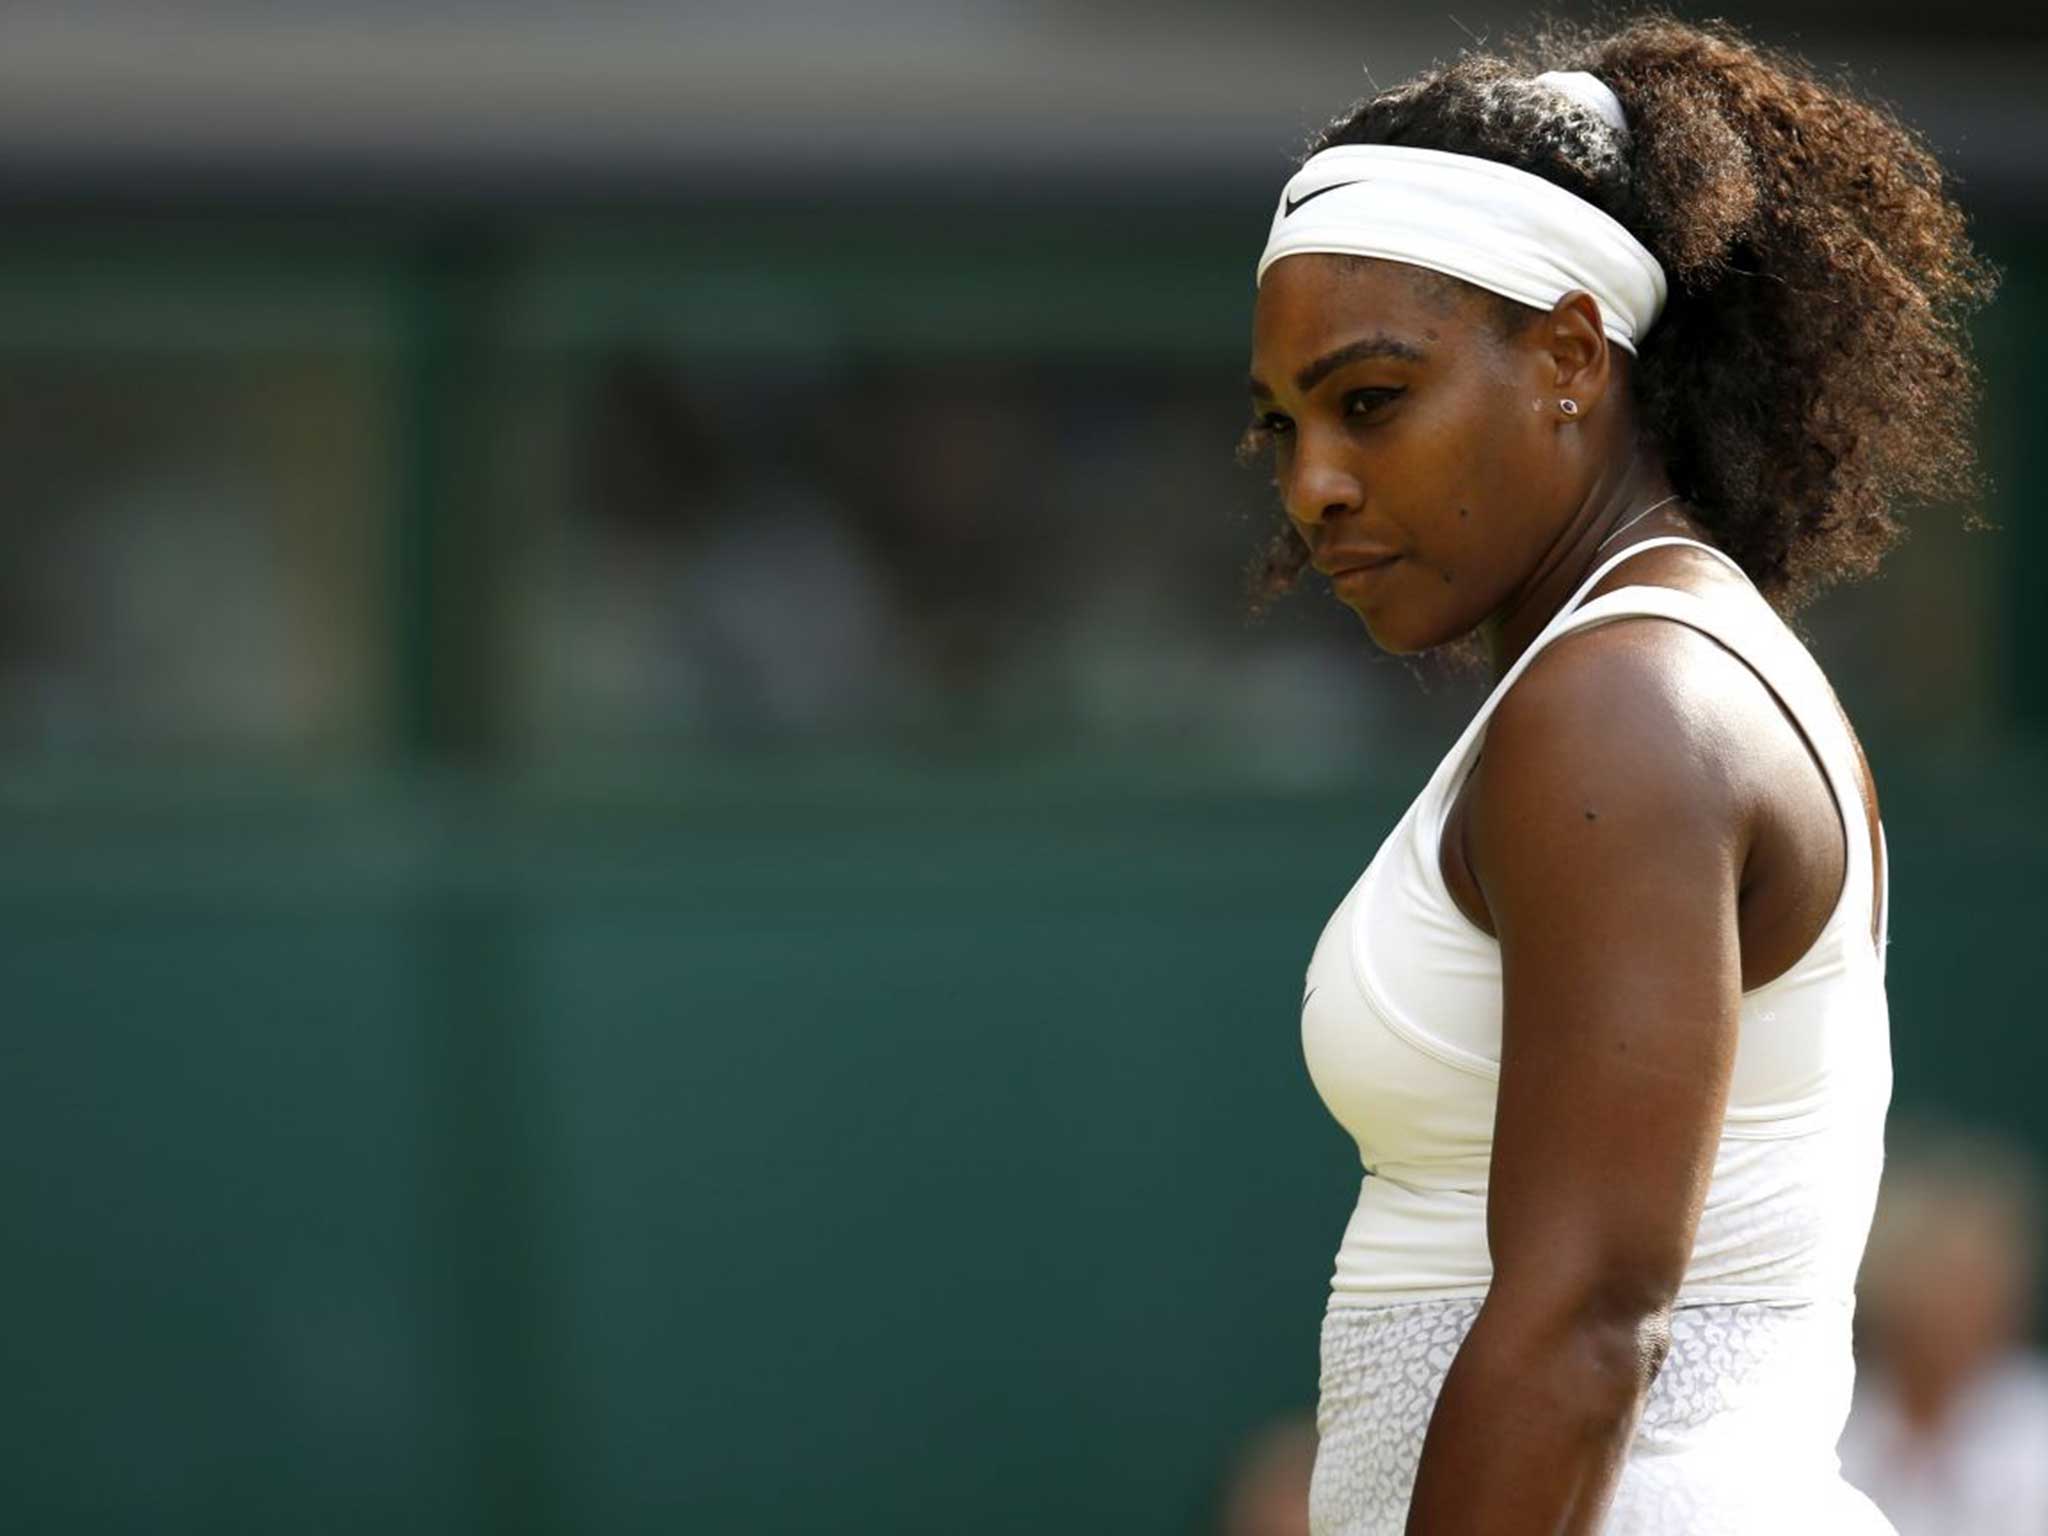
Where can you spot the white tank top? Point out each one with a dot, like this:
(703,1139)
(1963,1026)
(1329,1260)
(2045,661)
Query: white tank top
(1401,1026)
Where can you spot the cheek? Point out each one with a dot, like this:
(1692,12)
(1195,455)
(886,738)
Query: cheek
(1469,451)
(1495,460)
(1498,481)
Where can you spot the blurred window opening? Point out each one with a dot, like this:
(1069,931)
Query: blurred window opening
(190,569)
(681,492)
(197,443)
(956,551)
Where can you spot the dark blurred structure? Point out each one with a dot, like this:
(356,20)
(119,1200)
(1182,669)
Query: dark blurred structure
(651,876)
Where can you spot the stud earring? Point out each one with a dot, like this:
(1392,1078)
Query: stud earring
(1569,407)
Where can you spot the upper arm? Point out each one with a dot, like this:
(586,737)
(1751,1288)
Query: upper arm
(1609,846)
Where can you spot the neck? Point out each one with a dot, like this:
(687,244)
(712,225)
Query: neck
(1570,558)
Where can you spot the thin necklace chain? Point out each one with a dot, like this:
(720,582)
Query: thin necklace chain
(1624,528)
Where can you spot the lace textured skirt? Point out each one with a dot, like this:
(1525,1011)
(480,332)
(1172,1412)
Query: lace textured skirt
(1737,1437)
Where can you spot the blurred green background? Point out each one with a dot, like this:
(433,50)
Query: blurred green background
(652,880)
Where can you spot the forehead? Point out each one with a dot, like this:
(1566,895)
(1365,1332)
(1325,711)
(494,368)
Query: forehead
(1308,300)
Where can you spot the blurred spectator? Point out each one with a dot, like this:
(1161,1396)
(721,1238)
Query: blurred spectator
(1265,1489)
(185,563)
(1949,1431)
(943,463)
(709,585)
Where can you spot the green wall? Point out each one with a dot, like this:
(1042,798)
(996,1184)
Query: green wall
(912,1159)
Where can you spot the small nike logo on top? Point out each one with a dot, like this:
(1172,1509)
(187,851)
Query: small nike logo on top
(1295,202)
(1311,992)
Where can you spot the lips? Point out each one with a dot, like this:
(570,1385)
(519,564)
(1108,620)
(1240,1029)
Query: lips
(1337,563)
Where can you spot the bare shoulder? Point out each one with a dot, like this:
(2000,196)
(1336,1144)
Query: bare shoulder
(1639,721)
(1648,743)
(1641,749)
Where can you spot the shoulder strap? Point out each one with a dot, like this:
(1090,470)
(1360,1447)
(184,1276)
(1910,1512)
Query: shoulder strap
(1662,541)
(1755,636)
(1884,901)
(1450,773)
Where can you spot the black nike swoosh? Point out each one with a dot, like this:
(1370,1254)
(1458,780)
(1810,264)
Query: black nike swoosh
(1295,202)
(1311,992)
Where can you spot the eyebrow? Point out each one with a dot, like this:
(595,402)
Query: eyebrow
(1378,345)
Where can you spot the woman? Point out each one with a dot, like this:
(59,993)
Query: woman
(1591,353)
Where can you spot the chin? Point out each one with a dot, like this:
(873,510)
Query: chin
(1393,643)
(1403,631)
(1407,608)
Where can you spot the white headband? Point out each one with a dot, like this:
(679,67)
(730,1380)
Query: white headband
(1487,223)
(1589,91)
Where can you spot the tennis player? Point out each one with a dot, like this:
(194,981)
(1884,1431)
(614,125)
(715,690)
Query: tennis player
(1600,352)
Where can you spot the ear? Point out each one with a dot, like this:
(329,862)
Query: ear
(1578,348)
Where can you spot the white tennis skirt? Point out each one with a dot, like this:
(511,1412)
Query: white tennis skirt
(1737,1437)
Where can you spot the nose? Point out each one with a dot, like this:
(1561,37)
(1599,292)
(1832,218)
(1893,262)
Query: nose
(1320,486)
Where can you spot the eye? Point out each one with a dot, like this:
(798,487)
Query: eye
(1361,402)
(1261,434)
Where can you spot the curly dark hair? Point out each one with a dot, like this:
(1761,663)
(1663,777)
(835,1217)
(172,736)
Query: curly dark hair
(1811,368)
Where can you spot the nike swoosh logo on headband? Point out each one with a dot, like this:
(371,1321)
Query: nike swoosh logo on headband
(1295,202)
